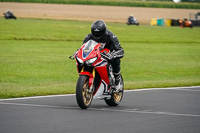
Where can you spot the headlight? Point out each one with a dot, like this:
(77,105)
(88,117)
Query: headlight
(90,61)
(79,60)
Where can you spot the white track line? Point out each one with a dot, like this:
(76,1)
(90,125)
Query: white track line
(37,105)
(147,112)
(107,110)
(110,110)
(35,97)
(170,88)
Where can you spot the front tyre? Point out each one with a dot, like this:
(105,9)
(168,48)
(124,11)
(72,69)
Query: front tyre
(116,97)
(83,97)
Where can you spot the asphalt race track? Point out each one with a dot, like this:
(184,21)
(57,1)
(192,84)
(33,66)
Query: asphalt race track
(167,110)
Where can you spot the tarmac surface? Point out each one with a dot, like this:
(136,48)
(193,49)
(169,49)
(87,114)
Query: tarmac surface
(158,110)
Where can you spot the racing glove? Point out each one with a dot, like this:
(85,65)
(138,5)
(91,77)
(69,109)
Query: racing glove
(109,56)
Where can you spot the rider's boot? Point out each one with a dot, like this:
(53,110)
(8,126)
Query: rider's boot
(117,82)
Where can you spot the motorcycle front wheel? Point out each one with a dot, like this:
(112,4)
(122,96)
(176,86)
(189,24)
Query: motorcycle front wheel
(83,96)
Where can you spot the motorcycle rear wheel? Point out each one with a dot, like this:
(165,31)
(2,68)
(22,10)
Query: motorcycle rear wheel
(83,97)
(116,97)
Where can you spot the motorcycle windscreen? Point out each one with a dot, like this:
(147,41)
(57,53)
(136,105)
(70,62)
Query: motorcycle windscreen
(89,46)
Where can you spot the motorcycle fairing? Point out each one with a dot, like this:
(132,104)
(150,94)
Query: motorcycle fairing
(88,51)
(102,89)
(101,63)
(91,78)
(101,67)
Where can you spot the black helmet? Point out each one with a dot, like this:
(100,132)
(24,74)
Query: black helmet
(98,29)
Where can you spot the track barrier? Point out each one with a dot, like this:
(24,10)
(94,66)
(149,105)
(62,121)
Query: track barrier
(171,22)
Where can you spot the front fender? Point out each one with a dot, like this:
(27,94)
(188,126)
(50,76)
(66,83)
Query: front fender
(90,75)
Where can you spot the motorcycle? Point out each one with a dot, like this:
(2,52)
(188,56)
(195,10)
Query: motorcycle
(96,79)
(185,23)
(132,21)
(9,15)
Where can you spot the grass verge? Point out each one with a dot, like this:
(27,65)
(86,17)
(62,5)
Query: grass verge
(33,55)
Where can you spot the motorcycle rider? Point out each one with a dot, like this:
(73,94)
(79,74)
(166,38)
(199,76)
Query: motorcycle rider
(101,34)
(131,18)
(9,15)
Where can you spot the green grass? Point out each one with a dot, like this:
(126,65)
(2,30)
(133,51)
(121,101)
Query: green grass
(33,55)
(129,3)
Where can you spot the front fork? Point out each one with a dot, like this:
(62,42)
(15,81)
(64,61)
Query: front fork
(91,78)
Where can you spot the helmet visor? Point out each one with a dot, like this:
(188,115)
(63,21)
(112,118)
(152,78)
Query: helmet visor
(97,33)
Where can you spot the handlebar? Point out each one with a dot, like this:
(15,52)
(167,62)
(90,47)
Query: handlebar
(71,57)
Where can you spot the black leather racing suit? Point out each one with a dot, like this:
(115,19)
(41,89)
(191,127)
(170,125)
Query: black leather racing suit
(112,43)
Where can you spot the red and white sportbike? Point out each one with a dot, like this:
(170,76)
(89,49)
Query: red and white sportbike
(96,79)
